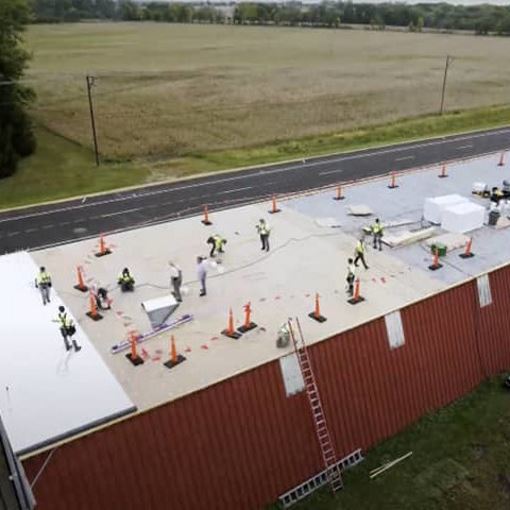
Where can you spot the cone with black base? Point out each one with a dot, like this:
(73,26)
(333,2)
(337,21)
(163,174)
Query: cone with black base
(175,359)
(206,220)
(248,324)
(103,249)
(274,208)
(435,261)
(338,195)
(230,331)
(356,298)
(81,284)
(316,314)
(502,159)
(467,253)
(93,313)
(443,173)
(133,354)
(393,181)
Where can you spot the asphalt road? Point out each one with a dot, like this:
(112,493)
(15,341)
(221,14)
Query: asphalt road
(46,225)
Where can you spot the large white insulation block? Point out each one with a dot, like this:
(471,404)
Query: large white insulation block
(463,217)
(434,206)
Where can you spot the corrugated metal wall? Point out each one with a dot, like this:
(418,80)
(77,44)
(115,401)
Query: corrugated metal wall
(241,443)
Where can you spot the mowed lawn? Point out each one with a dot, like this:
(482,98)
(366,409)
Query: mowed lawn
(460,461)
(166,90)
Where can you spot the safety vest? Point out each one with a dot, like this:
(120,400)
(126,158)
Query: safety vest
(43,278)
(218,242)
(377,228)
(125,278)
(360,247)
(65,321)
(263,229)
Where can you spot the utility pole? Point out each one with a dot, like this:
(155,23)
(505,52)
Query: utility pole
(90,84)
(448,60)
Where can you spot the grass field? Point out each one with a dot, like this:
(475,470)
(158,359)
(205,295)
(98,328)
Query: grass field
(460,461)
(166,90)
(61,168)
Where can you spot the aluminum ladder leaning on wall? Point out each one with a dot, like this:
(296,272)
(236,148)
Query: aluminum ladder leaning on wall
(332,468)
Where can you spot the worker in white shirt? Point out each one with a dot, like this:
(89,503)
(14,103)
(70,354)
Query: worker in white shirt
(176,280)
(263,230)
(202,274)
(351,275)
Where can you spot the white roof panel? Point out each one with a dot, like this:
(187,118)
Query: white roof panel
(47,393)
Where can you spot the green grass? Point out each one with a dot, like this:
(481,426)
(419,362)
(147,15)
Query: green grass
(460,461)
(61,168)
(400,131)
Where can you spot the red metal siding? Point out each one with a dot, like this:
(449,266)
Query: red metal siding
(241,443)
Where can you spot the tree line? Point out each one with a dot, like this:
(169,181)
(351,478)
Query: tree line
(17,138)
(482,19)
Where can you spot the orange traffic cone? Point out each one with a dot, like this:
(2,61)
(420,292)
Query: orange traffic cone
(248,324)
(175,359)
(274,208)
(81,284)
(93,313)
(443,173)
(467,252)
(435,261)
(206,220)
(502,159)
(393,181)
(338,195)
(316,314)
(103,249)
(230,331)
(356,298)
(133,354)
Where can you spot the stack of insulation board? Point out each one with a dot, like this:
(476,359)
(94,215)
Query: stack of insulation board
(454,213)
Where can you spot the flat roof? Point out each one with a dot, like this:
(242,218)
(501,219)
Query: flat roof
(47,393)
(311,239)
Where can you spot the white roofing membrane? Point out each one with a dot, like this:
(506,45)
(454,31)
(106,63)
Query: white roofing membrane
(47,393)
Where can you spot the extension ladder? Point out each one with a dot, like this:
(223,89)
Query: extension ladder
(333,470)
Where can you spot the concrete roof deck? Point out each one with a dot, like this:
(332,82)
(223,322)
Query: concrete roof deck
(305,258)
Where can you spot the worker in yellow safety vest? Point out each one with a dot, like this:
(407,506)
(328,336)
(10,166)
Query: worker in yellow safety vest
(217,244)
(126,281)
(359,253)
(67,328)
(43,283)
(377,234)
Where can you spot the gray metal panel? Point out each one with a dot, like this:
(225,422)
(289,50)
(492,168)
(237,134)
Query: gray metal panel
(395,329)
(291,374)
(484,290)
(15,491)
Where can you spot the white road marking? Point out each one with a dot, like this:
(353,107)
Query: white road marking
(468,146)
(243,175)
(125,211)
(337,171)
(10,234)
(29,230)
(233,190)
(49,225)
(403,158)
